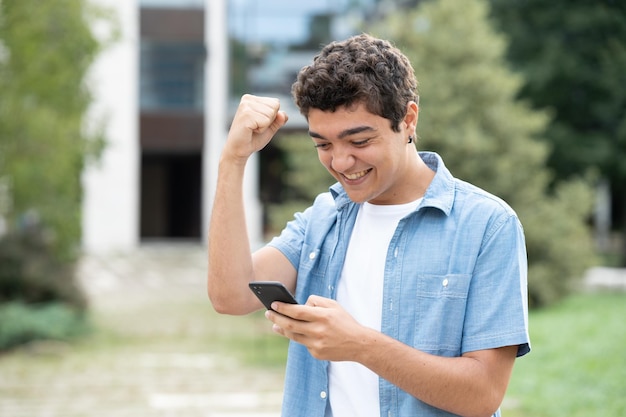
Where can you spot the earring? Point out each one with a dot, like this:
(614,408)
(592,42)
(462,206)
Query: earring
(411,139)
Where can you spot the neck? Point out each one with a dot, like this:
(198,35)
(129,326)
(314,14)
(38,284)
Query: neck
(421,175)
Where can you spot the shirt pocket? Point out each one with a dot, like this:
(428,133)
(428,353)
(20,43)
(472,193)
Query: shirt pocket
(440,313)
(313,274)
(314,261)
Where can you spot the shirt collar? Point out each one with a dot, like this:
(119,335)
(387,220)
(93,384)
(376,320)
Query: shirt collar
(440,192)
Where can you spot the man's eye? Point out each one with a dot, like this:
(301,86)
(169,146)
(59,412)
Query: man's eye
(322,145)
(360,142)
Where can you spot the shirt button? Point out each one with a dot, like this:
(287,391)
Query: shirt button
(445,282)
(323,395)
(312,255)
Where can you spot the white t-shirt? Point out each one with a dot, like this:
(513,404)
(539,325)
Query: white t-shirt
(353,388)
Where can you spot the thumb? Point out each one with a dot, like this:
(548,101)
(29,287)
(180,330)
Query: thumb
(279,121)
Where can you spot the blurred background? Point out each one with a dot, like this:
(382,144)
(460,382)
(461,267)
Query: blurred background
(112,118)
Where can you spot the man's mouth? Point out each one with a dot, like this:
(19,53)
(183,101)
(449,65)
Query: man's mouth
(356,175)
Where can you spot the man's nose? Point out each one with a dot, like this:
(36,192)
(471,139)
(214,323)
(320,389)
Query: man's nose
(343,159)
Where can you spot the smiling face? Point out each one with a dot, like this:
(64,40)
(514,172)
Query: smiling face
(372,161)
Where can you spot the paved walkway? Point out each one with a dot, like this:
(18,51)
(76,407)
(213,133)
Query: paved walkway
(215,386)
(153,358)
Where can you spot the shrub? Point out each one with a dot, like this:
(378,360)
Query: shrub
(21,323)
(31,273)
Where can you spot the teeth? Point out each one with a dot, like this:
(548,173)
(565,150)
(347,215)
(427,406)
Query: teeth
(356,175)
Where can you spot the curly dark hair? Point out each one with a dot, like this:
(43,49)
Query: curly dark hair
(361,69)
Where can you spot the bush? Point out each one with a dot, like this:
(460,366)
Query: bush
(39,298)
(31,273)
(21,323)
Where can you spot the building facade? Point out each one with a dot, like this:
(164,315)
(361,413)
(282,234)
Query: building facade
(165,93)
(152,180)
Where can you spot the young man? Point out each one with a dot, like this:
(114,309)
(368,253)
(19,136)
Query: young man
(412,282)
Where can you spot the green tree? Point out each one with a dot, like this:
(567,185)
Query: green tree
(301,178)
(46,49)
(573,57)
(469,113)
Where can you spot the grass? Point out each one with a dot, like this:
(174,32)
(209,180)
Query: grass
(577,366)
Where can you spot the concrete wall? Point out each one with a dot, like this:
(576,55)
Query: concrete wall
(111,186)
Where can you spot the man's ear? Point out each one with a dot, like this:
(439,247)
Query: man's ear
(411,116)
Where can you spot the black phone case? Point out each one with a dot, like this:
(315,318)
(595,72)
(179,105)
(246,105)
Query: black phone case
(270,291)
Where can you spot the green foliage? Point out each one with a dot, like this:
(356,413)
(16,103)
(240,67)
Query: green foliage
(573,57)
(558,241)
(46,49)
(307,177)
(21,323)
(304,179)
(31,273)
(469,114)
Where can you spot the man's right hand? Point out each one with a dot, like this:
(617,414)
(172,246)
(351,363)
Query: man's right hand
(255,123)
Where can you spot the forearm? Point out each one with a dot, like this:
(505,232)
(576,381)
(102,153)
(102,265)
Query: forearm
(466,386)
(230,261)
(471,385)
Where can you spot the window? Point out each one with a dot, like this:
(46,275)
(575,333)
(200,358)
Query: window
(172,75)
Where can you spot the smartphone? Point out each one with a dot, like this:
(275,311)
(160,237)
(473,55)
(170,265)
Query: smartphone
(270,291)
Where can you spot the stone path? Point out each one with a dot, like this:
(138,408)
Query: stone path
(154,357)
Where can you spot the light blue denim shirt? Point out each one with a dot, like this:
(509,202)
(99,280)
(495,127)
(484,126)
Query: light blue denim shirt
(455,282)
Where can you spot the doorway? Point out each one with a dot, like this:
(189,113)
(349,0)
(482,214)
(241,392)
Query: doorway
(171,191)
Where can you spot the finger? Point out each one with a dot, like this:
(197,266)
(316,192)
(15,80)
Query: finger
(283,325)
(271,122)
(304,313)
(258,112)
(282,118)
(293,311)
(279,317)
(318,301)
(278,330)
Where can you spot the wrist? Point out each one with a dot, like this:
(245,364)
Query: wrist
(230,159)
(368,343)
